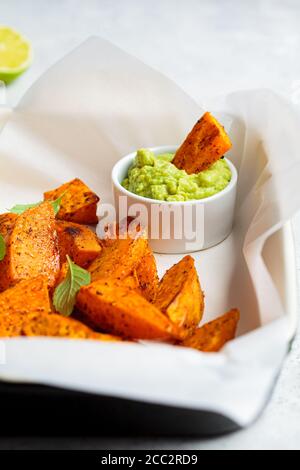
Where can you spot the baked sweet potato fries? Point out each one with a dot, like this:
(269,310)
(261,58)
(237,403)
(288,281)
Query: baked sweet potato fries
(53,266)
(123,297)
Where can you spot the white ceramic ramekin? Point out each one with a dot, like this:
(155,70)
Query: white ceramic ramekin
(180,227)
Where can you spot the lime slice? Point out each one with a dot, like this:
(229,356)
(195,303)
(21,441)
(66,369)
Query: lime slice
(15,54)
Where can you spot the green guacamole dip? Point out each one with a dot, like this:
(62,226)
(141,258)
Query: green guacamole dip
(156,177)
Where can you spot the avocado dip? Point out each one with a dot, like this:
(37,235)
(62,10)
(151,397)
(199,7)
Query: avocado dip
(155,177)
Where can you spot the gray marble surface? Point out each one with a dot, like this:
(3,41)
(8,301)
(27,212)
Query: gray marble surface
(208,47)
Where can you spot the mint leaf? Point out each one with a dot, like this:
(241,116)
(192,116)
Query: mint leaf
(56,203)
(2,247)
(64,297)
(20,208)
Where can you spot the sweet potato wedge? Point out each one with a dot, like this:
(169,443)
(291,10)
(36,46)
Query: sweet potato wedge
(212,336)
(121,230)
(122,311)
(7,223)
(146,272)
(56,325)
(41,324)
(204,145)
(26,298)
(78,203)
(32,248)
(180,296)
(118,260)
(131,282)
(77,241)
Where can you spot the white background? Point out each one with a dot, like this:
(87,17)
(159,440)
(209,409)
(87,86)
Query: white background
(208,47)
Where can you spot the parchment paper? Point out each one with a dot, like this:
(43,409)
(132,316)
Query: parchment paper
(80,117)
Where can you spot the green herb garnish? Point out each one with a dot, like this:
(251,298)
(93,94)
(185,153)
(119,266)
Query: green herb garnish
(64,297)
(20,208)
(56,203)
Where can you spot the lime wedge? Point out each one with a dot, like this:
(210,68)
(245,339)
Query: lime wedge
(15,54)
